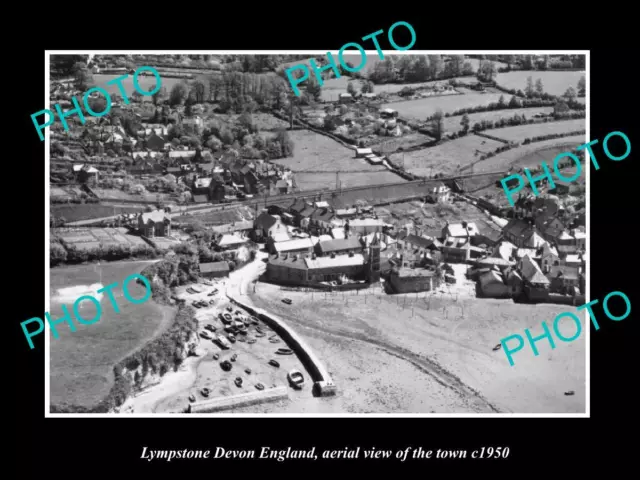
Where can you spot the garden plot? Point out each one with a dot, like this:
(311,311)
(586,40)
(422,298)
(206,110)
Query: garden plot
(554,83)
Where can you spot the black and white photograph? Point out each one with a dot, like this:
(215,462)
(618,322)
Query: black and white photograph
(241,234)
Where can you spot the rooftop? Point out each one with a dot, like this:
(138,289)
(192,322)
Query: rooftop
(214,267)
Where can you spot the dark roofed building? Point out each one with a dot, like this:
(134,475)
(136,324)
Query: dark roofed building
(518,232)
(214,269)
(157,223)
(563,278)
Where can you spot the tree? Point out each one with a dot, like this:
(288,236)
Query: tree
(438,124)
(467,69)
(367,87)
(582,86)
(509,60)
(539,87)
(502,103)
(314,90)
(570,94)
(160,96)
(351,88)
(82,76)
(465,123)
(529,88)
(487,71)
(514,102)
(198,90)
(178,94)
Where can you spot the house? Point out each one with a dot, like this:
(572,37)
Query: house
(214,269)
(337,247)
(155,142)
(321,220)
(85,173)
(230,242)
(439,194)
(575,260)
(202,185)
(410,280)
(531,273)
(388,113)
(549,257)
(299,245)
(417,243)
(364,226)
(267,225)
(563,278)
(154,224)
(460,230)
(522,234)
(282,186)
(345,98)
(346,213)
(491,285)
(363,152)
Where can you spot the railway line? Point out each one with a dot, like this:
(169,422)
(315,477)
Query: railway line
(287,198)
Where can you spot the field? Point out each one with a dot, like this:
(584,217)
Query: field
(452,124)
(385,352)
(77,212)
(425,107)
(318,153)
(447,157)
(555,83)
(81,362)
(520,132)
(531,155)
(89,238)
(391,144)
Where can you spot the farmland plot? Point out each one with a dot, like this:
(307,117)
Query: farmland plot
(447,157)
(425,107)
(554,83)
(90,238)
(317,181)
(452,124)
(318,153)
(531,155)
(520,132)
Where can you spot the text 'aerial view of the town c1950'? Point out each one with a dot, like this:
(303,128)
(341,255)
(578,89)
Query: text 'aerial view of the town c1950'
(350,250)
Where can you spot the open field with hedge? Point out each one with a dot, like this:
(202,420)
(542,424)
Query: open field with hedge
(531,155)
(554,83)
(425,107)
(452,124)
(446,157)
(318,153)
(520,132)
(81,362)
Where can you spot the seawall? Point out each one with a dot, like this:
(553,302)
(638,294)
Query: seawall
(236,401)
(322,382)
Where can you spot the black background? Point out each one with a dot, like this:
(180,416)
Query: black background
(75,448)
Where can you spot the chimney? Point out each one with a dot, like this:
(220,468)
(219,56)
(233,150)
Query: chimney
(295,257)
(333,255)
(351,253)
(313,256)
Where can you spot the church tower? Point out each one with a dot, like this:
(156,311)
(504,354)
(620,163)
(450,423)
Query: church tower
(373,265)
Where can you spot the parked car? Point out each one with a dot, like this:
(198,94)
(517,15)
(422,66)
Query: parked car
(284,351)
(296,379)
(210,327)
(238,382)
(205,335)
(288,301)
(259,386)
(205,392)
(226,365)
(274,363)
